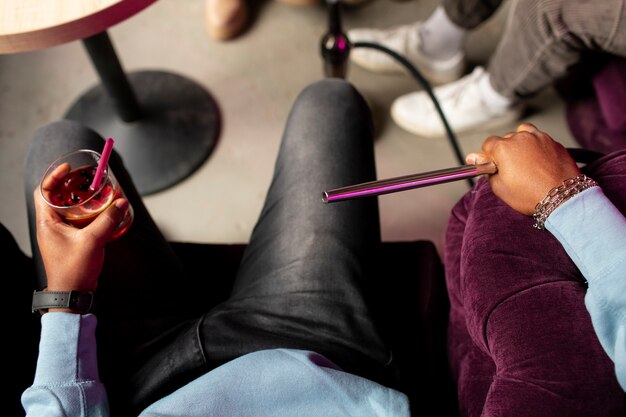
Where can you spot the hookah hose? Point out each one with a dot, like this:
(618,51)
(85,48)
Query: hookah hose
(335,49)
(427,88)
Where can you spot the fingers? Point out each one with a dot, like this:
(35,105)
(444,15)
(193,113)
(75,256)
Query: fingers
(55,176)
(477,158)
(105,224)
(527,127)
(490,143)
(102,227)
(43,212)
(523,128)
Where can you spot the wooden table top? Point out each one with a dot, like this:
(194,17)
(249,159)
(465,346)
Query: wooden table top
(27,25)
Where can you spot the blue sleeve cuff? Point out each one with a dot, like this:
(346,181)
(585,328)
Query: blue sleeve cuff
(592,231)
(67,350)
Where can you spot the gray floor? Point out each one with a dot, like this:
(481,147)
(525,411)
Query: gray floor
(255,79)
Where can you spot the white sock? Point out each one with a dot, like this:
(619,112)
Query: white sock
(441,37)
(491,97)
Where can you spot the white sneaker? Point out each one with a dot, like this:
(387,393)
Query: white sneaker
(462,105)
(404,40)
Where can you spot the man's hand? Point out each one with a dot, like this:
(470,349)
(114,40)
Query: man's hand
(530,163)
(73,257)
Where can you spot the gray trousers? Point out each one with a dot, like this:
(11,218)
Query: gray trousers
(543,39)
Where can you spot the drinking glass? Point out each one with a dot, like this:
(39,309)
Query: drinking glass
(66,187)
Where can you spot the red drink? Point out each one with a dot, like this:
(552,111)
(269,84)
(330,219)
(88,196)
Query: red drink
(70,194)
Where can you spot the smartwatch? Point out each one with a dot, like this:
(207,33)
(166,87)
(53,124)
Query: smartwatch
(78,301)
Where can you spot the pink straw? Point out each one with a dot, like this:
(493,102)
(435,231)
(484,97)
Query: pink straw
(104,160)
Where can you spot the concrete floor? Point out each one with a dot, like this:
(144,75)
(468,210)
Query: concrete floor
(255,79)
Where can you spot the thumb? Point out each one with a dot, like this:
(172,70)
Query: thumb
(105,224)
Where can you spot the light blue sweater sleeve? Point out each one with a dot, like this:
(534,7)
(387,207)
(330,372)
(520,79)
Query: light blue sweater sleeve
(269,383)
(66,380)
(593,233)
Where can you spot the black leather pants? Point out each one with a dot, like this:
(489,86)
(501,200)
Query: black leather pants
(302,282)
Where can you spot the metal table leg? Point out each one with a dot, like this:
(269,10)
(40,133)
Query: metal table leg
(165,125)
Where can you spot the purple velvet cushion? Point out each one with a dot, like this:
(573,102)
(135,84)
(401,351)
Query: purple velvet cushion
(521,341)
(610,87)
(597,120)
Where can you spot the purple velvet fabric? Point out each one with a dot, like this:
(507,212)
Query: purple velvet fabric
(521,342)
(597,120)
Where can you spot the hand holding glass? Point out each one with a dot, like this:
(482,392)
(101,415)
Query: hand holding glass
(66,187)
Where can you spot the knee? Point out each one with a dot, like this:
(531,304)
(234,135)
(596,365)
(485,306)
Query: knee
(594,25)
(54,140)
(58,138)
(577,24)
(530,19)
(67,131)
(328,93)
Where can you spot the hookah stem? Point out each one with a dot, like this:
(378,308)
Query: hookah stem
(407,182)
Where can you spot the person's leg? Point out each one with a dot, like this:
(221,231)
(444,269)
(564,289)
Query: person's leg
(305,272)
(302,280)
(468,102)
(469,14)
(141,287)
(23,326)
(436,46)
(544,38)
(139,265)
(520,300)
(472,370)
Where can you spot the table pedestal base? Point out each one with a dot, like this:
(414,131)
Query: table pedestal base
(176,133)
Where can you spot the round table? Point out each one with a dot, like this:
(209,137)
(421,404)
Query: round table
(165,125)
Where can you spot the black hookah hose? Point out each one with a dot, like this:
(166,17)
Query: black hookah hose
(426,86)
(335,49)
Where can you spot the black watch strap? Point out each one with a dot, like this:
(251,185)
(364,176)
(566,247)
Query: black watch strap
(75,300)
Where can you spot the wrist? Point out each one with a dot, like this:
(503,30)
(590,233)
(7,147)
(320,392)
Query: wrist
(78,302)
(61,279)
(558,195)
(59,310)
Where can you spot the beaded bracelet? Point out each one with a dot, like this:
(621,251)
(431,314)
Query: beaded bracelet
(558,195)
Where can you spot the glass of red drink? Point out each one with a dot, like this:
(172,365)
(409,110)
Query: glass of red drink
(66,187)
